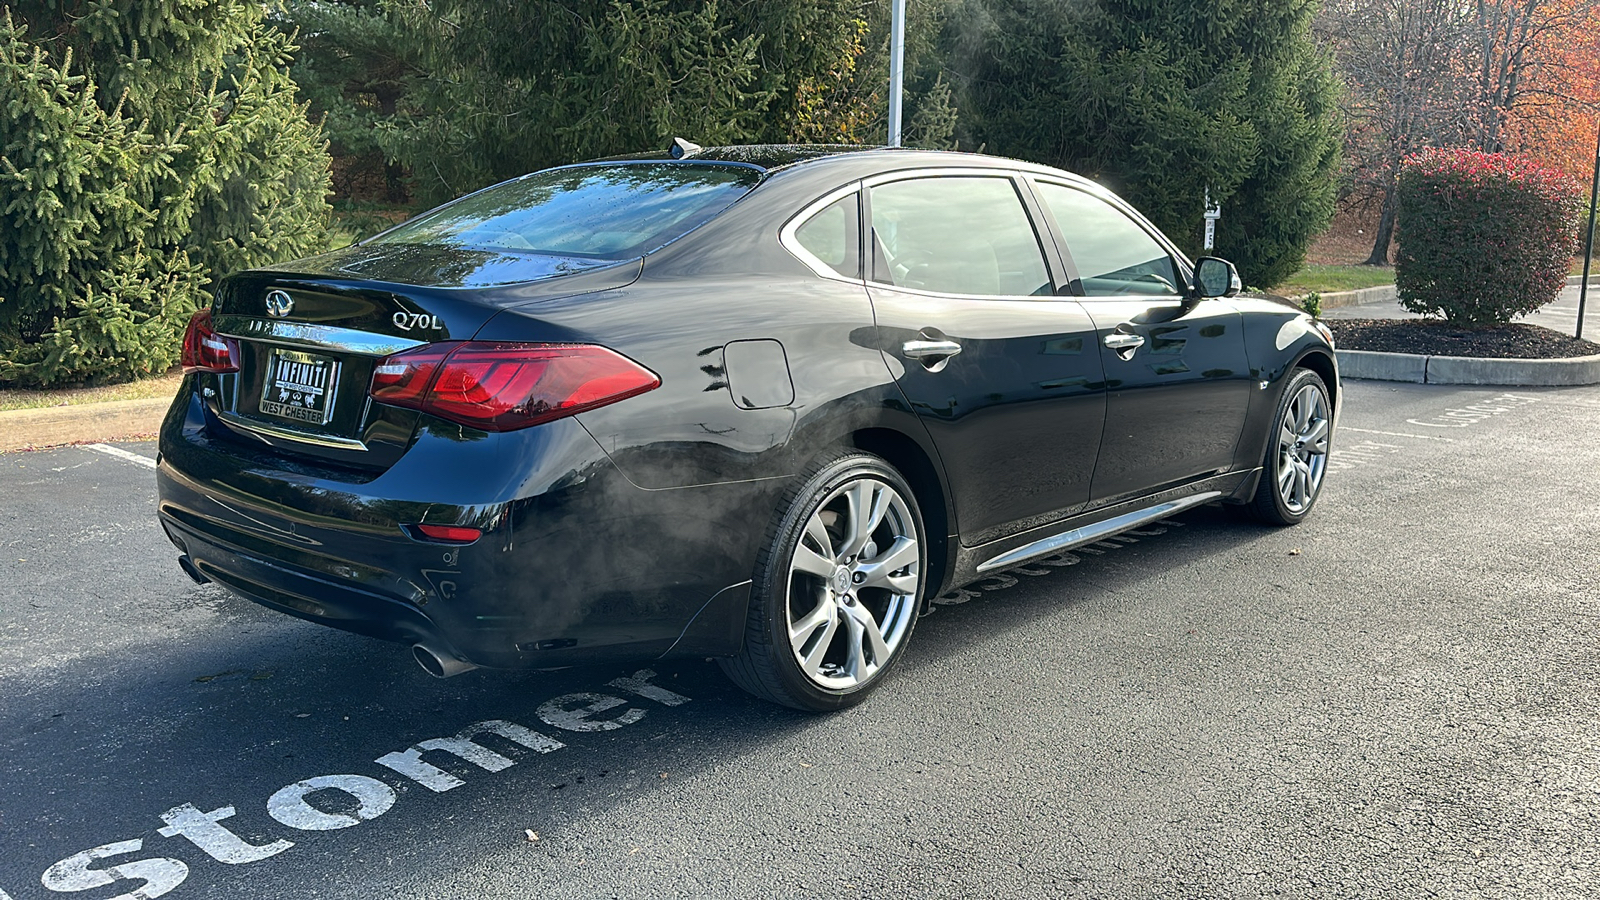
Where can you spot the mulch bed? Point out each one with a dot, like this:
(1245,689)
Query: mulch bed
(1431,337)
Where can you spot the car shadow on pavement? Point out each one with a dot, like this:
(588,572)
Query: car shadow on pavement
(218,720)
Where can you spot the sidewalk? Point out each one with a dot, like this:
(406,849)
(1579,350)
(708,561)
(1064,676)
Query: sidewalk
(28,429)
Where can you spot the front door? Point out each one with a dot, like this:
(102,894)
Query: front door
(1178,380)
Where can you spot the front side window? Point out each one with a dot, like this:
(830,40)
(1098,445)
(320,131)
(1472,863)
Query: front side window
(1115,257)
(956,235)
(615,211)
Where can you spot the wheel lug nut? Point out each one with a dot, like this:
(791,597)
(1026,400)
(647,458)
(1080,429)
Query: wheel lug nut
(858,577)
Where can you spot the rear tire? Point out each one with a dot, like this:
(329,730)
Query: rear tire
(1297,452)
(837,587)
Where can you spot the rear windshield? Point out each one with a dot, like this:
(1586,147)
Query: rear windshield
(608,211)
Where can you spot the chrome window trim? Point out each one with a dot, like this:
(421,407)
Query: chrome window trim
(791,242)
(940,172)
(265,432)
(313,337)
(1032,298)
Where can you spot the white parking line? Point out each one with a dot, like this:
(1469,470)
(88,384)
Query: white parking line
(122,454)
(1420,437)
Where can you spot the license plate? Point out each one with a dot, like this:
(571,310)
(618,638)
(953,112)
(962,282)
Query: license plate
(300,386)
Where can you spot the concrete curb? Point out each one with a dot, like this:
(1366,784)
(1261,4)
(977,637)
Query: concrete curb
(1382,366)
(26,429)
(1385,293)
(1571,372)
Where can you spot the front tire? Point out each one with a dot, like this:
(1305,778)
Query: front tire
(1297,452)
(836,589)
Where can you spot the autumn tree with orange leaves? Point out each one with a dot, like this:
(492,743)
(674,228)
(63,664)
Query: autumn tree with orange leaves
(1558,122)
(1514,76)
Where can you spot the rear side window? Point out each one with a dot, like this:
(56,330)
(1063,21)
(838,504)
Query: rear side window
(832,236)
(956,235)
(1115,257)
(608,211)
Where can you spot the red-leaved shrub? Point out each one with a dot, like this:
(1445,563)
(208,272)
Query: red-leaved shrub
(1484,237)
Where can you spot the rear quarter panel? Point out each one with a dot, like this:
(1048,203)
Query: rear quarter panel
(701,456)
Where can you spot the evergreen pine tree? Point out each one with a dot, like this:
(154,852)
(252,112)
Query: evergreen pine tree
(463,94)
(1163,101)
(149,146)
(358,60)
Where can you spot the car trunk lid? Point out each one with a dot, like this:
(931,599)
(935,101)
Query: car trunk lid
(310,334)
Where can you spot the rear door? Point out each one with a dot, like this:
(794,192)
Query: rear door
(1178,381)
(1005,375)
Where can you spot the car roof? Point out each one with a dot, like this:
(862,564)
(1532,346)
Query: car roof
(772,157)
(846,160)
(763,156)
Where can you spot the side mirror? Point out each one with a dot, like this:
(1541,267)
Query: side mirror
(1215,277)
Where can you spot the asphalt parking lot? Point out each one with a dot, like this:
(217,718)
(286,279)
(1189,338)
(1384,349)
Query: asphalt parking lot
(1396,699)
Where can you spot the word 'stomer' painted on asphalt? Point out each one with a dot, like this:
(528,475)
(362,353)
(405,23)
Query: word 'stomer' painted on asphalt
(1467,416)
(409,762)
(289,805)
(300,805)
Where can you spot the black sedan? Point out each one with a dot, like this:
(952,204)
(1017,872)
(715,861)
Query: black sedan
(756,403)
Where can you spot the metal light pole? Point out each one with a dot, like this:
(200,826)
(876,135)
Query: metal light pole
(1588,247)
(897,66)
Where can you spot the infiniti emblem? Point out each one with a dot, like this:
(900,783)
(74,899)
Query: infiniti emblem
(840,582)
(279,304)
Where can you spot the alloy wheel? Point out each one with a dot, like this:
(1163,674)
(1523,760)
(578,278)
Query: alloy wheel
(1303,448)
(852,584)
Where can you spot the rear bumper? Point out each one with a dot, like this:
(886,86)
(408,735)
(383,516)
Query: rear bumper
(304,593)
(575,564)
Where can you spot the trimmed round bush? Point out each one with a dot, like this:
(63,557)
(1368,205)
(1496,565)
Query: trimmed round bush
(1483,237)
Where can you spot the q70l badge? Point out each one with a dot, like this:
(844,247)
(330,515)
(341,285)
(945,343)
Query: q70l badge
(407,321)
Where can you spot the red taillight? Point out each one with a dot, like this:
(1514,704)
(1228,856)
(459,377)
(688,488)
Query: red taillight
(505,386)
(404,378)
(206,351)
(455,534)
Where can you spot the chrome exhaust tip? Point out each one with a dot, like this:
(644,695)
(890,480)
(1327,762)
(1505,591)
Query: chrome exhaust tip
(188,567)
(437,664)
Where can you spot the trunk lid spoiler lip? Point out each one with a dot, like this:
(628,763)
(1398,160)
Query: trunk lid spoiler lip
(241,312)
(313,336)
(438,267)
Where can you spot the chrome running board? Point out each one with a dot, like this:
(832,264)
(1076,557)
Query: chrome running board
(1088,534)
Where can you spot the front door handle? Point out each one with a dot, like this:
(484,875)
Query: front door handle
(1119,341)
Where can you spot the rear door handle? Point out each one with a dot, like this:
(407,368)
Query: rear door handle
(1120,341)
(926,349)
(934,355)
